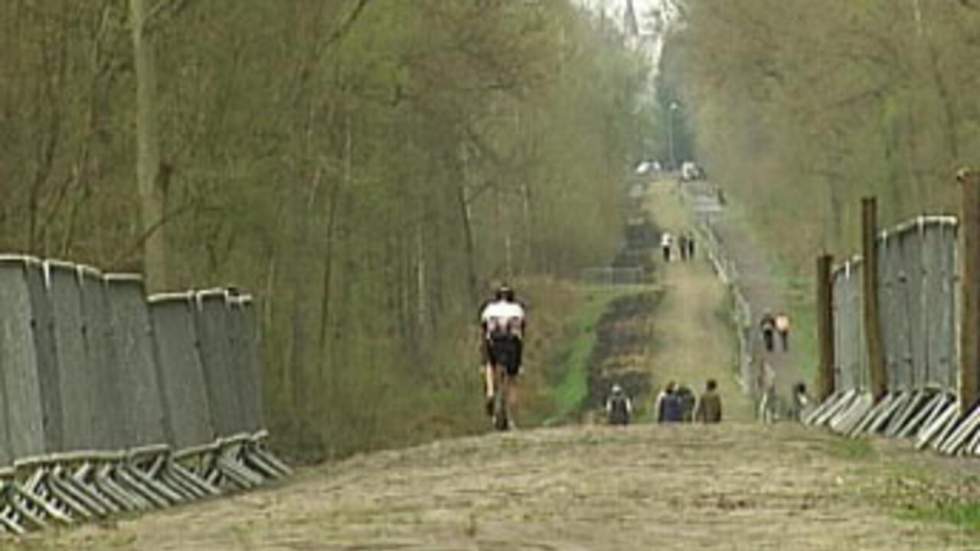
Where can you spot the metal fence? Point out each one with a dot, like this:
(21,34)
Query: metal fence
(850,352)
(916,296)
(115,402)
(917,301)
(726,269)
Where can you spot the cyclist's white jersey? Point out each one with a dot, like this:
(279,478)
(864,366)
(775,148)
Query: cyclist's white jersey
(503,317)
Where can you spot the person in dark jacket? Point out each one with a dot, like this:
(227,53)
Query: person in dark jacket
(688,400)
(670,407)
(709,405)
(767,324)
(619,407)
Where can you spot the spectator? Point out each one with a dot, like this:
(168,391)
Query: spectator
(690,246)
(670,409)
(768,326)
(682,245)
(688,401)
(666,242)
(709,405)
(782,327)
(619,407)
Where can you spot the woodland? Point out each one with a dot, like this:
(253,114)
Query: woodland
(366,168)
(799,108)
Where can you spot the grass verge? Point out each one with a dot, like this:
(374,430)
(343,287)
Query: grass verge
(571,367)
(964,516)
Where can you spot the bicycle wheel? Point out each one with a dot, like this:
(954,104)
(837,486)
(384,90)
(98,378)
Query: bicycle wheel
(501,420)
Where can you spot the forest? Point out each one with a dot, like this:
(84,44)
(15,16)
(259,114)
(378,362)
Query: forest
(799,108)
(366,168)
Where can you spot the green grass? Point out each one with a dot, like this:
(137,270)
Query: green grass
(928,496)
(853,449)
(573,363)
(965,516)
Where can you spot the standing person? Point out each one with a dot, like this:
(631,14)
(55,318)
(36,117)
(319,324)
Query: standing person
(670,409)
(767,324)
(682,246)
(688,401)
(782,327)
(502,323)
(619,407)
(709,405)
(666,241)
(690,246)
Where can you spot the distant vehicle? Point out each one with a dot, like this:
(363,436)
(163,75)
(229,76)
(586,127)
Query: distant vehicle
(690,171)
(647,167)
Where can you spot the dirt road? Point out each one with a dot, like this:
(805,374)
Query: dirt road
(759,283)
(732,487)
(693,336)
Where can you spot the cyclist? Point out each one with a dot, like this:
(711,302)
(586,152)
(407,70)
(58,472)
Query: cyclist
(502,323)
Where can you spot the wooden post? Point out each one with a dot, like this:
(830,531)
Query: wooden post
(826,383)
(872,325)
(969,238)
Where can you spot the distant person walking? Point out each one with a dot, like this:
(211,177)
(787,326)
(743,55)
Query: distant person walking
(619,407)
(782,327)
(767,324)
(682,246)
(690,246)
(708,409)
(670,409)
(666,242)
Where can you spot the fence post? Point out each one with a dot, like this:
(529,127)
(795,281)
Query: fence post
(872,320)
(969,237)
(826,383)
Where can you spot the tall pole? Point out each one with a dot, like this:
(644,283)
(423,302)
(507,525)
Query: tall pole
(872,319)
(148,173)
(670,133)
(826,381)
(969,237)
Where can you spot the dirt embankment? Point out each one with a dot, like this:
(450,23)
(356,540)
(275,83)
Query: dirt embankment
(624,337)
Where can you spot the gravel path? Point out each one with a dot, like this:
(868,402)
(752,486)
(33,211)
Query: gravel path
(693,339)
(727,487)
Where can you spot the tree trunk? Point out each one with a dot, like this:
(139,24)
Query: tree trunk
(328,252)
(148,155)
(466,216)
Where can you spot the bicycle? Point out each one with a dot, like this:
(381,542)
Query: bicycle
(501,386)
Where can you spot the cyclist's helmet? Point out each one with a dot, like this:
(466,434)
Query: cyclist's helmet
(616,389)
(504,292)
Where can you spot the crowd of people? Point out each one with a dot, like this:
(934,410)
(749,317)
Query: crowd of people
(674,404)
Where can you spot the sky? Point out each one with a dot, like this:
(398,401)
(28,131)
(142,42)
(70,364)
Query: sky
(645,11)
(653,16)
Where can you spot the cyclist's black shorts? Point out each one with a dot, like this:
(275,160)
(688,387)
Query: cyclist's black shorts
(505,351)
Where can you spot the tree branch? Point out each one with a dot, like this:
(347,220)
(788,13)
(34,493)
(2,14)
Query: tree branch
(164,8)
(166,218)
(344,27)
